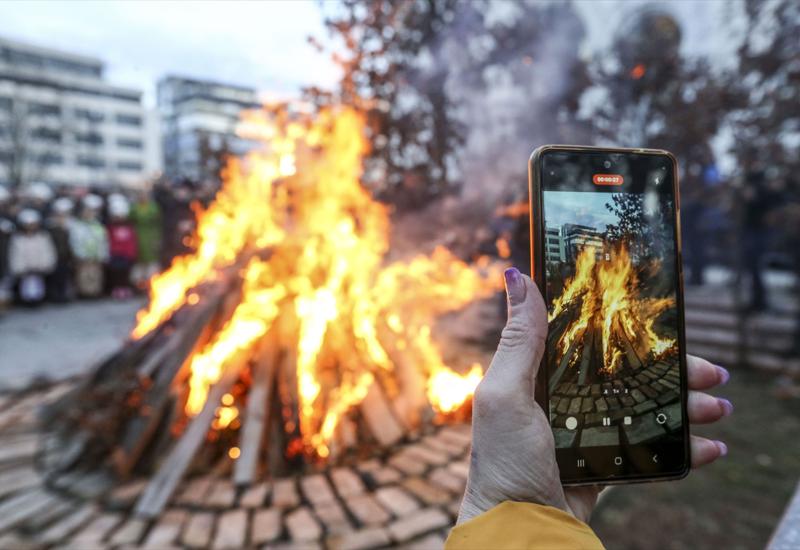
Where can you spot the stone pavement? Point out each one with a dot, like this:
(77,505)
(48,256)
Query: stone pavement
(59,341)
(408,498)
(642,395)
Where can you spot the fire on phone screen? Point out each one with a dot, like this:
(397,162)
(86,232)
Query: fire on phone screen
(612,285)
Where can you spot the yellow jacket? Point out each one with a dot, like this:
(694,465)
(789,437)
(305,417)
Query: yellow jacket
(520,525)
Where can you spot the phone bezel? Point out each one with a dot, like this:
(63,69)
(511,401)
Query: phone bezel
(537,232)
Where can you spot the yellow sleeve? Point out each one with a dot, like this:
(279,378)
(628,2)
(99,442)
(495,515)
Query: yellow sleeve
(521,525)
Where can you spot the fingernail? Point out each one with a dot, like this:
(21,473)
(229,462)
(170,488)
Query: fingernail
(723,449)
(724,375)
(515,286)
(725,405)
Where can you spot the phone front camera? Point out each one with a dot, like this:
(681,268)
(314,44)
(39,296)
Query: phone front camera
(607,164)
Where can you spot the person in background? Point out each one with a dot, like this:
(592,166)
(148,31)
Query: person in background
(146,218)
(177,218)
(89,242)
(37,196)
(61,221)
(122,247)
(761,198)
(6,230)
(31,258)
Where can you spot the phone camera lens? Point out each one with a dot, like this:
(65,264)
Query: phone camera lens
(607,164)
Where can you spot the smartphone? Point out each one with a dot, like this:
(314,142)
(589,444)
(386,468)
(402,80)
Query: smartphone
(606,255)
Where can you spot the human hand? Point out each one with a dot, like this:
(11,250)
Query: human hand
(513,452)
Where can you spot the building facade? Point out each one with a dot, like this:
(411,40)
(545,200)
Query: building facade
(62,123)
(199,119)
(577,237)
(554,245)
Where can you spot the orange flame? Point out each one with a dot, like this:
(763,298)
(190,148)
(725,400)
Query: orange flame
(608,291)
(300,198)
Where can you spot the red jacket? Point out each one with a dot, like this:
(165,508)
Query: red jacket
(122,240)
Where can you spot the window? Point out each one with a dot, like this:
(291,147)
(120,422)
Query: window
(129,165)
(129,120)
(127,143)
(43,109)
(91,162)
(46,134)
(89,138)
(87,114)
(48,159)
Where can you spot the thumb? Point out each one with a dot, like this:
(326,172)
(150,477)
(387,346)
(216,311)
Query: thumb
(522,341)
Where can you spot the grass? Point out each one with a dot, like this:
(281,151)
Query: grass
(734,503)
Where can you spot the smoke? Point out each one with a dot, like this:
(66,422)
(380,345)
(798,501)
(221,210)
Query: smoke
(517,99)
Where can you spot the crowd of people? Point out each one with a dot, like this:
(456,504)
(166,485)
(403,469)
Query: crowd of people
(58,245)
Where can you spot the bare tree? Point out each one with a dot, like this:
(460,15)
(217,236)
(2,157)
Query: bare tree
(26,162)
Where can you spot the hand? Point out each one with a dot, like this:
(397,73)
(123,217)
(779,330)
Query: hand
(513,452)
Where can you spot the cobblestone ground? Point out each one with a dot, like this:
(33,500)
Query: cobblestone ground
(408,498)
(649,398)
(58,341)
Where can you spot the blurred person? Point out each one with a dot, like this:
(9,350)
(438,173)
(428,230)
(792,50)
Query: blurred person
(37,196)
(122,247)
(146,218)
(514,497)
(89,242)
(59,283)
(6,230)
(761,196)
(31,258)
(177,219)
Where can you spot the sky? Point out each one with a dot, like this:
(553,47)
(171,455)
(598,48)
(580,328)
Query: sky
(264,44)
(576,207)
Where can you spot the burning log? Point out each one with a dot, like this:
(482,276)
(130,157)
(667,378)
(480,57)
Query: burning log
(601,308)
(288,311)
(265,368)
(164,483)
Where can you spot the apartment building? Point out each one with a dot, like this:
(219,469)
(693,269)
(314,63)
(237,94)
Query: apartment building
(61,122)
(199,120)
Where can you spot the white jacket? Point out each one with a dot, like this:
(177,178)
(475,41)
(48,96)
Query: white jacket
(31,253)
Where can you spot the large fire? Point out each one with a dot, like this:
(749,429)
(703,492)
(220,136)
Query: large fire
(611,305)
(314,244)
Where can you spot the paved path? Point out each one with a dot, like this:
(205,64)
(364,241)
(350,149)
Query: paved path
(57,342)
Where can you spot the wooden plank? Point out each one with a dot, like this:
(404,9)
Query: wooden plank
(18,449)
(141,429)
(251,436)
(14,480)
(378,416)
(412,400)
(586,356)
(163,484)
(22,506)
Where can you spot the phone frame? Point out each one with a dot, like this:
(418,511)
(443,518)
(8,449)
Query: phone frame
(537,232)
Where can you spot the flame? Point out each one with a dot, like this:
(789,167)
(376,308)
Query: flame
(503,248)
(341,307)
(638,71)
(609,295)
(515,210)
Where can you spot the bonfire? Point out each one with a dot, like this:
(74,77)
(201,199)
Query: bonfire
(287,337)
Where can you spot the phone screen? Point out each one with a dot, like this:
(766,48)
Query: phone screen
(615,353)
